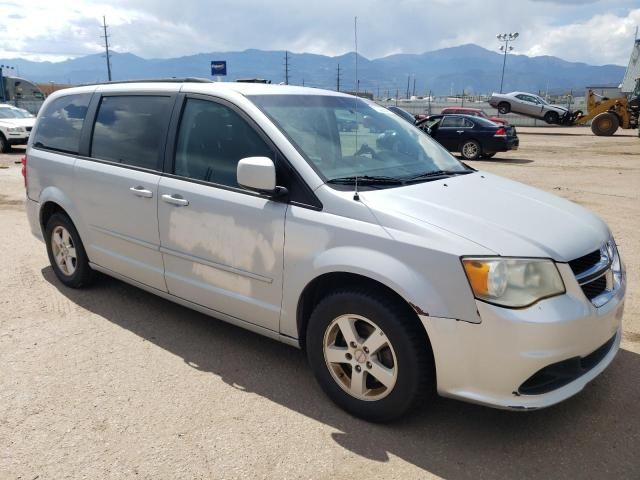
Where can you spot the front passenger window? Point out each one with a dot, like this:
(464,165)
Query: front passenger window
(212,138)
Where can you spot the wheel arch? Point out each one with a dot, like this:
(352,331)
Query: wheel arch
(53,200)
(328,282)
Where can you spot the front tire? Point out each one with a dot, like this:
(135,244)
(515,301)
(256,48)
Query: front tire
(4,145)
(369,354)
(552,118)
(470,150)
(66,252)
(605,124)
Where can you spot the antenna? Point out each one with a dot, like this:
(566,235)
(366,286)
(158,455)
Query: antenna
(356,197)
(106,46)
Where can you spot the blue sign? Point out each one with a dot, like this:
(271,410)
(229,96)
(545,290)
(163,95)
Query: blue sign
(218,68)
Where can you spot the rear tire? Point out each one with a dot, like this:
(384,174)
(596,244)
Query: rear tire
(66,252)
(504,108)
(386,371)
(552,118)
(470,150)
(605,124)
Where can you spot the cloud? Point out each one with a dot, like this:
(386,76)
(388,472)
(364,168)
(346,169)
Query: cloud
(166,28)
(607,38)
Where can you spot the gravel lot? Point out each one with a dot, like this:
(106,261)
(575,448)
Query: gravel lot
(112,382)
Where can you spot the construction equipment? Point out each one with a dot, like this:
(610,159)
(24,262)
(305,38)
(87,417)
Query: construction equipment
(608,114)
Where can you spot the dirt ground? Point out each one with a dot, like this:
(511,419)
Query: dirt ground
(112,382)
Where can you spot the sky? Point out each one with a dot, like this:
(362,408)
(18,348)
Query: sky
(591,31)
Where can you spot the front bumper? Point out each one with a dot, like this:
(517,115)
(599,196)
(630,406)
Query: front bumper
(19,138)
(487,363)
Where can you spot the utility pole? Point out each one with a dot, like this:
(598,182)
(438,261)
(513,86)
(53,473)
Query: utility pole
(408,79)
(414,87)
(505,38)
(286,67)
(397,94)
(106,46)
(338,80)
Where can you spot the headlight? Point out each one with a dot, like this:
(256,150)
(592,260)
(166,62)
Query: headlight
(15,129)
(513,282)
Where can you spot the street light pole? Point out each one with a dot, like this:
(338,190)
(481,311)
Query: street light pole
(506,48)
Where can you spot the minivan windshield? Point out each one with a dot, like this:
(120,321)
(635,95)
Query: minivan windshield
(345,138)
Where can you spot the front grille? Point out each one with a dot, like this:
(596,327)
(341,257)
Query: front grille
(595,288)
(583,264)
(591,271)
(562,373)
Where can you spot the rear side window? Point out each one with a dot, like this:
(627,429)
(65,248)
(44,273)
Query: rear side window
(60,124)
(131,130)
(211,140)
(453,122)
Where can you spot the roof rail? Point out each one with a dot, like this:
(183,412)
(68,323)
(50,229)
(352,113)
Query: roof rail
(158,80)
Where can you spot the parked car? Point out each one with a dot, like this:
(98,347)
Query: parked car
(14,127)
(529,105)
(398,269)
(21,112)
(402,113)
(473,137)
(476,112)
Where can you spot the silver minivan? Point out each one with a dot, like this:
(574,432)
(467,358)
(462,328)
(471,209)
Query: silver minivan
(401,271)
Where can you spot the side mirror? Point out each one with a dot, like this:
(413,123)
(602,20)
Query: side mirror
(257,173)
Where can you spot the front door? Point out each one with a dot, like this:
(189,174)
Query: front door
(222,245)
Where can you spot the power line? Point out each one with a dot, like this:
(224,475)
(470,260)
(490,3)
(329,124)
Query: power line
(106,46)
(355,35)
(286,67)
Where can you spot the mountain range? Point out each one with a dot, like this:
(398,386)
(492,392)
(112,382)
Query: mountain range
(468,68)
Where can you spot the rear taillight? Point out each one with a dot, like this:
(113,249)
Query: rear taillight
(501,132)
(23,161)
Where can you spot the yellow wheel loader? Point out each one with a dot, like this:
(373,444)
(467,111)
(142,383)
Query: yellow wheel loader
(609,114)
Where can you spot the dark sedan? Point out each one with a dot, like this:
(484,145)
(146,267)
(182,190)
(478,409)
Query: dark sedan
(473,137)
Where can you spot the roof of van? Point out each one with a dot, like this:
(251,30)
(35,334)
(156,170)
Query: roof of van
(204,85)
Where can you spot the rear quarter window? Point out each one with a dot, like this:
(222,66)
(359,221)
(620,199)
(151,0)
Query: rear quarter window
(60,124)
(131,129)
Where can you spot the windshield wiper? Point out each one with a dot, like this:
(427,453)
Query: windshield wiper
(366,180)
(436,174)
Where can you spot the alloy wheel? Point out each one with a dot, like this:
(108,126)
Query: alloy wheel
(64,250)
(360,357)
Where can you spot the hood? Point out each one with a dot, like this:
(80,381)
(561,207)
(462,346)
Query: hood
(503,216)
(560,108)
(18,122)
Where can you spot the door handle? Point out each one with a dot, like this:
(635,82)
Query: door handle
(140,191)
(459,131)
(175,200)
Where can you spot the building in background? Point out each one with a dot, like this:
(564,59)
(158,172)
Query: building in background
(633,70)
(604,91)
(21,93)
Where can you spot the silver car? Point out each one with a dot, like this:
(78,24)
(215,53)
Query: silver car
(529,105)
(399,270)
